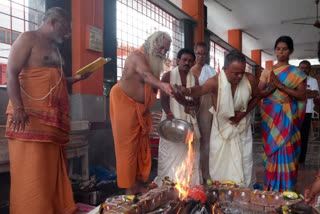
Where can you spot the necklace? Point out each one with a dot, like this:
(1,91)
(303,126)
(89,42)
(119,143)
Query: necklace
(50,91)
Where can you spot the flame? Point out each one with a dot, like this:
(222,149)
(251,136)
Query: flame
(185,171)
(213,208)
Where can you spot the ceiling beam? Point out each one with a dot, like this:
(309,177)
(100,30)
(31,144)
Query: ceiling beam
(214,37)
(173,10)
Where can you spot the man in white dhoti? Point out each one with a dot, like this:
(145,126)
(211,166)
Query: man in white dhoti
(203,71)
(235,94)
(172,154)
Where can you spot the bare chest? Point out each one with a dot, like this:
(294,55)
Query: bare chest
(44,55)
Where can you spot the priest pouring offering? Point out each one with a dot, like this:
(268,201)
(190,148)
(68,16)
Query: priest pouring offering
(234,94)
(130,102)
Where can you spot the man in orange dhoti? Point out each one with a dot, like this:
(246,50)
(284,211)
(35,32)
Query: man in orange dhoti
(38,119)
(130,103)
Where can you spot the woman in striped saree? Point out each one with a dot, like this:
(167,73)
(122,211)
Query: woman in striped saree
(282,110)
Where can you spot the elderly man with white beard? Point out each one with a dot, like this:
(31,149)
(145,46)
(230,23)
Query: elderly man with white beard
(130,102)
(38,123)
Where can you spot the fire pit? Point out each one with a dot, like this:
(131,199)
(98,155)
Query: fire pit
(219,199)
(180,198)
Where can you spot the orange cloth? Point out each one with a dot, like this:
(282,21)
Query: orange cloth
(52,111)
(39,179)
(131,122)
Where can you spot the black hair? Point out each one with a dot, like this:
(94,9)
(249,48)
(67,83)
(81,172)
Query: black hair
(305,62)
(285,39)
(185,51)
(232,56)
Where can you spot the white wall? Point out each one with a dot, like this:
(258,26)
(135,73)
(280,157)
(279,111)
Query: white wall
(178,3)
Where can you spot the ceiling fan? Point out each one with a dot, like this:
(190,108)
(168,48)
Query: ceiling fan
(316,23)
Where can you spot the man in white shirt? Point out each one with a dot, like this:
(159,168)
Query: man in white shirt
(311,92)
(203,71)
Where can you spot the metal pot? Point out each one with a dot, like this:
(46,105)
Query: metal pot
(175,130)
(94,197)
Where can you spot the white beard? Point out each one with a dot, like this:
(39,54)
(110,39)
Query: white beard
(156,64)
(57,39)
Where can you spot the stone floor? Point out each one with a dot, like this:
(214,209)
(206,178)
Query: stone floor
(305,177)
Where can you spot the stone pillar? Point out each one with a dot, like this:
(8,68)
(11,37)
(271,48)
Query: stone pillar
(188,34)
(195,8)
(87,100)
(269,63)
(256,57)
(235,39)
(110,44)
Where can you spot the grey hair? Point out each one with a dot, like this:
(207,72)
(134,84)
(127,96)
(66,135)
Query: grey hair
(201,44)
(56,13)
(232,56)
(154,41)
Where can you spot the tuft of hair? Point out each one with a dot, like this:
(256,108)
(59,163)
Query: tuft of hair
(201,44)
(233,56)
(154,41)
(286,39)
(56,13)
(186,51)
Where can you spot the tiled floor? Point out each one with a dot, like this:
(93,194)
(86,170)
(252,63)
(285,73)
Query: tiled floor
(305,176)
